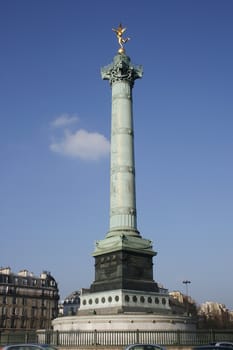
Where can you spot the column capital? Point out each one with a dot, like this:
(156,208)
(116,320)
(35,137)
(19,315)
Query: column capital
(121,69)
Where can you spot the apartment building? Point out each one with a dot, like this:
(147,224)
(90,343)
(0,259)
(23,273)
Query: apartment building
(27,301)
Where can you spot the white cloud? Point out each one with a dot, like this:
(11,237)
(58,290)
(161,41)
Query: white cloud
(82,144)
(64,120)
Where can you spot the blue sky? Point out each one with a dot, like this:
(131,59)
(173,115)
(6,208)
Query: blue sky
(55,132)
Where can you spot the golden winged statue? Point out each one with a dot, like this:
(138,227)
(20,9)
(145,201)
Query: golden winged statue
(119,33)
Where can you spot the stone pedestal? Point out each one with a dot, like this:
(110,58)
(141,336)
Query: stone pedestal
(124,270)
(123,323)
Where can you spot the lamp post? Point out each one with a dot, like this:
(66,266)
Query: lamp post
(187,282)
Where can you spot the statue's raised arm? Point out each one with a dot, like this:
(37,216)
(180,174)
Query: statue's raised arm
(119,33)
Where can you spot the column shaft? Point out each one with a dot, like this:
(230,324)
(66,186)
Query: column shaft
(122,188)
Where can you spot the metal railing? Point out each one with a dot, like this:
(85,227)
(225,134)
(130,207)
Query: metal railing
(76,339)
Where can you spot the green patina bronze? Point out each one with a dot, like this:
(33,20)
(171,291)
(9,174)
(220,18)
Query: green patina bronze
(123,233)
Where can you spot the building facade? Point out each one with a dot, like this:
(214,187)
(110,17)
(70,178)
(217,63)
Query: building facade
(71,304)
(27,301)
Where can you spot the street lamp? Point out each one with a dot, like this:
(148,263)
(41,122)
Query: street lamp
(186,282)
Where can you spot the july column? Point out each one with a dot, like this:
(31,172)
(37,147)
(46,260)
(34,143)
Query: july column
(123,217)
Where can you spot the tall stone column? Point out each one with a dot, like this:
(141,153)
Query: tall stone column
(123,216)
(123,285)
(123,260)
(123,233)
